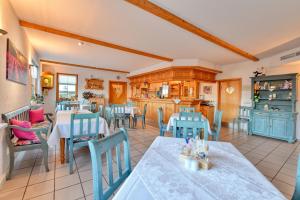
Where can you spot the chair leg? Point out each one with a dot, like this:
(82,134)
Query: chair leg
(239,126)
(67,150)
(144,122)
(71,159)
(11,164)
(233,125)
(45,155)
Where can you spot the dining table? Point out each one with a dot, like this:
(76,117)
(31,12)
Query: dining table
(61,129)
(175,116)
(160,174)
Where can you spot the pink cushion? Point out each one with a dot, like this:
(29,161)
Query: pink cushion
(36,116)
(23,134)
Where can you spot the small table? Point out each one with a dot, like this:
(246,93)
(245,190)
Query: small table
(176,116)
(160,175)
(132,110)
(61,130)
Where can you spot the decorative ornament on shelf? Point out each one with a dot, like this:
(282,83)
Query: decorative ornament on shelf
(260,72)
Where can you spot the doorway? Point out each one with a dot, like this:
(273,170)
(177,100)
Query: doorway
(117,92)
(229,98)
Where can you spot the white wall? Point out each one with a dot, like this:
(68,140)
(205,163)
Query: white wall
(83,74)
(273,66)
(12,95)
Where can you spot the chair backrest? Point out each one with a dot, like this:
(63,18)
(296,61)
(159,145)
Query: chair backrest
(186,109)
(85,125)
(118,108)
(191,116)
(160,117)
(244,112)
(190,128)
(217,123)
(296,194)
(105,146)
(130,103)
(21,114)
(67,105)
(101,109)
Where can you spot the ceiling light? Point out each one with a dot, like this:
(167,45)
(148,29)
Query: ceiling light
(3,32)
(80,43)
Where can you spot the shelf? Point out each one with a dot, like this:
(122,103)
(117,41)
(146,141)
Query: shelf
(276,99)
(275,90)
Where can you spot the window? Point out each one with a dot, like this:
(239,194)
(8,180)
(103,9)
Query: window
(34,79)
(67,85)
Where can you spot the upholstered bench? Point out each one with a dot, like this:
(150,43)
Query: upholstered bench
(40,129)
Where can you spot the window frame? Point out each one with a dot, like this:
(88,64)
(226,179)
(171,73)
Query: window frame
(57,83)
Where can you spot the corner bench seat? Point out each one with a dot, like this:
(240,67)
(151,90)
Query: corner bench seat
(41,130)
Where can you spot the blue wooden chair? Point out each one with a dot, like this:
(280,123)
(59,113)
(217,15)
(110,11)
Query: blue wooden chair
(189,128)
(161,125)
(130,103)
(296,195)
(243,117)
(84,135)
(186,109)
(119,115)
(108,115)
(41,130)
(215,131)
(105,146)
(141,117)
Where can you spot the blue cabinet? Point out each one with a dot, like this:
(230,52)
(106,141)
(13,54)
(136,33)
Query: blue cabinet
(260,123)
(274,106)
(274,124)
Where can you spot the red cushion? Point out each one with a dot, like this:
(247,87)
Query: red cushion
(23,134)
(36,116)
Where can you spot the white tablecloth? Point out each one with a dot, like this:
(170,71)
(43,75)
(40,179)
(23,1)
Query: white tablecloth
(176,116)
(132,110)
(63,123)
(160,175)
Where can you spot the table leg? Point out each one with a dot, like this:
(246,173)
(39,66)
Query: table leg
(62,150)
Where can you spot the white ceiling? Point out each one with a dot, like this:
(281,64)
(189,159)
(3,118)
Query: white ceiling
(255,26)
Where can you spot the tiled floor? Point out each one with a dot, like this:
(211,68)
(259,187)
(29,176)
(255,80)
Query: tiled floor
(277,160)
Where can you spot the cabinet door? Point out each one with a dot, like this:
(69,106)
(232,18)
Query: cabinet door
(260,124)
(279,127)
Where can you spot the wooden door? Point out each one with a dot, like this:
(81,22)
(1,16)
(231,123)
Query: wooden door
(229,98)
(117,92)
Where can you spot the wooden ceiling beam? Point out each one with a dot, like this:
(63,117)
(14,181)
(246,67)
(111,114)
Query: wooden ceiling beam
(91,40)
(172,18)
(82,66)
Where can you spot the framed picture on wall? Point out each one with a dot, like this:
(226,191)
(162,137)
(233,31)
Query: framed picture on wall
(16,65)
(207,89)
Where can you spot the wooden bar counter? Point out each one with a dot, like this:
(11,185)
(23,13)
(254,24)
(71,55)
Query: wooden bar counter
(170,88)
(168,105)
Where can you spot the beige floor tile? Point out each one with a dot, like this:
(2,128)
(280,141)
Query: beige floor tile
(70,193)
(39,189)
(13,194)
(64,171)
(286,178)
(66,181)
(85,175)
(88,186)
(19,179)
(284,187)
(49,196)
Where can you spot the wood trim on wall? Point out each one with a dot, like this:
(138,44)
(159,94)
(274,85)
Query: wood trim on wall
(91,40)
(57,74)
(82,66)
(172,18)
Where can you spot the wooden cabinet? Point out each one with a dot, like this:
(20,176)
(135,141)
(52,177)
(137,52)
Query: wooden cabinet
(208,112)
(274,124)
